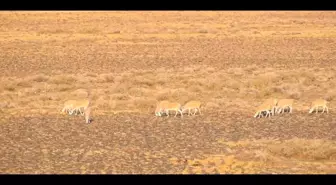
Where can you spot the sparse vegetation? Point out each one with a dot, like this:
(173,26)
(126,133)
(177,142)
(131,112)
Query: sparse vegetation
(230,61)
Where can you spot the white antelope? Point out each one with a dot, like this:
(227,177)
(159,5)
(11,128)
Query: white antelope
(195,105)
(160,107)
(173,106)
(316,104)
(283,104)
(68,106)
(83,103)
(265,107)
(87,115)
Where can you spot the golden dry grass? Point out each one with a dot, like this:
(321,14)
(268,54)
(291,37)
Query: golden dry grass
(294,156)
(140,91)
(230,61)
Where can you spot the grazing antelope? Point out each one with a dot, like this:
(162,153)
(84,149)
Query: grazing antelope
(160,108)
(318,103)
(68,106)
(173,106)
(273,104)
(83,103)
(283,104)
(87,115)
(265,107)
(192,105)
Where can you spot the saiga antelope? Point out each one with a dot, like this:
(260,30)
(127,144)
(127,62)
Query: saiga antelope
(283,104)
(195,105)
(160,108)
(318,103)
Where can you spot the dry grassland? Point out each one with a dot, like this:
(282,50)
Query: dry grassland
(230,61)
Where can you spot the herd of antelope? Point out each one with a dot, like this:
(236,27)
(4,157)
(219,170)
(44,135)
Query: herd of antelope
(268,107)
(166,106)
(272,106)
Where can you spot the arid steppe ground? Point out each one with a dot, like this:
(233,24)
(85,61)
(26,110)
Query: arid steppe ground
(230,61)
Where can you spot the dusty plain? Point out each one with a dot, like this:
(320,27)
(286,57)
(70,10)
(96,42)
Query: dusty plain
(230,61)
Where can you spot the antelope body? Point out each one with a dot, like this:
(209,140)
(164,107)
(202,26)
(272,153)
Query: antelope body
(265,107)
(68,106)
(173,106)
(84,103)
(316,104)
(195,105)
(283,104)
(161,107)
(272,102)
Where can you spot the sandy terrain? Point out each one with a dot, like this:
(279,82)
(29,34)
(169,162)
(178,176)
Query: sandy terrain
(128,61)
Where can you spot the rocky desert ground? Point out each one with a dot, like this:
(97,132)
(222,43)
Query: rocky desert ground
(130,60)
